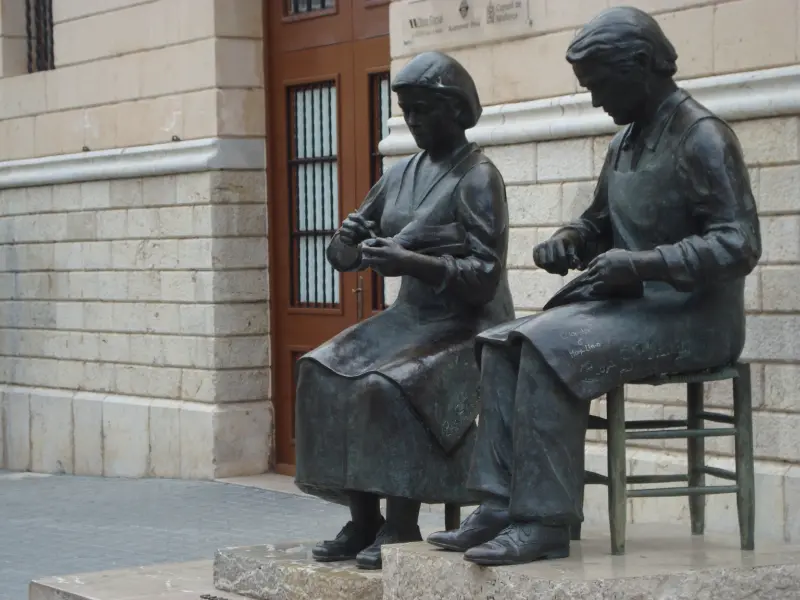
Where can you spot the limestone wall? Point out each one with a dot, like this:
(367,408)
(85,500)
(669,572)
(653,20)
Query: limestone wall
(135,72)
(133,279)
(549,144)
(134,326)
(711,36)
(13,42)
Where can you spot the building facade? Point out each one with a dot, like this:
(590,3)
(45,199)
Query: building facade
(170,171)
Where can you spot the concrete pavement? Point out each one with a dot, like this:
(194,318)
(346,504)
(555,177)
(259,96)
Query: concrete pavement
(59,525)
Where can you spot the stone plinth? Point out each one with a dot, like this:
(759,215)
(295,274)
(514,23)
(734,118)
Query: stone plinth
(287,572)
(662,563)
(659,564)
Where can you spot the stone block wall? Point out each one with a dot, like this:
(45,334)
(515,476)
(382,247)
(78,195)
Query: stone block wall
(13,41)
(133,326)
(133,242)
(136,72)
(712,37)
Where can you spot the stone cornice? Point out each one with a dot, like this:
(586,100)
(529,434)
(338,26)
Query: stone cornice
(734,97)
(190,156)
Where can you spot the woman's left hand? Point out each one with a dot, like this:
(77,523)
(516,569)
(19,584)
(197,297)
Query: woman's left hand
(385,256)
(610,271)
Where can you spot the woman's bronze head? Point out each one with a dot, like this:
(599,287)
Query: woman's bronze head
(438,98)
(617,55)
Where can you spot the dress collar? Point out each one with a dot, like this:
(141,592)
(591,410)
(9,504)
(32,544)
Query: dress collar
(652,131)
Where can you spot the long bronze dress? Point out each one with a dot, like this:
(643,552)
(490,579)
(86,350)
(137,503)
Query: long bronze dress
(389,405)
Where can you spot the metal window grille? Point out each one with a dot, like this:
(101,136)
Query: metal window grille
(39,30)
(314,193)
(302,7)
(379,108)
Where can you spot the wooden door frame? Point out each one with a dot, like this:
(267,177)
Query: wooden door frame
(274,47)
(268,57)
(296,328)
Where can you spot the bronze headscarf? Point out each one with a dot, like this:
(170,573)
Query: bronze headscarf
(443,74)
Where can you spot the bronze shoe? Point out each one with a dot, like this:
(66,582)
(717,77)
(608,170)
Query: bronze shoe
(352,539)
(482,525)
(521,543)
(370,558)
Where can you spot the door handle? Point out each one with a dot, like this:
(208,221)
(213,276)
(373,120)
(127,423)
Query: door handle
(359,292)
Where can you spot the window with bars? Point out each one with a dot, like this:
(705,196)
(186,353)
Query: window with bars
(39,32)
(379,108)
(303,7)
(314,193)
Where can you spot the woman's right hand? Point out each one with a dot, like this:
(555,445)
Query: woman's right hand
(355,229)
(559,254)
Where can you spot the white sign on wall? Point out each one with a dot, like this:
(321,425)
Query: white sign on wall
(441,24)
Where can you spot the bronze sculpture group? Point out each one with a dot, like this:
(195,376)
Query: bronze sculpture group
(388,408)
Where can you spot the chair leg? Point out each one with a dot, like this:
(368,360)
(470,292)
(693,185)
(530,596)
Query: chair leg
(745,476)
(452,516)
(696,457)
(617,491)
(575,528)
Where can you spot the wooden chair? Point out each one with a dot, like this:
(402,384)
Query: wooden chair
(693,429)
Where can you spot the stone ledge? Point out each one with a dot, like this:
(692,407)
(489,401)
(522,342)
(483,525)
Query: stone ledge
(287,572)
(658,564)
(735,97)
(209,154)
(84,433)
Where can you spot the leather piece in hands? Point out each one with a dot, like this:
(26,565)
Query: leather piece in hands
(434,240)
(578,290)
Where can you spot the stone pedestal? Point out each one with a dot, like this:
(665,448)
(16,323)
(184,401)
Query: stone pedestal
(657,565)
(287,572)
(661,563)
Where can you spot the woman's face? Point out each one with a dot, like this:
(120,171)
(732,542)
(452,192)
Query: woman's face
(620,92)
(431,118)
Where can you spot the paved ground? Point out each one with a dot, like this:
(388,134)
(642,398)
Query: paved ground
(61,525)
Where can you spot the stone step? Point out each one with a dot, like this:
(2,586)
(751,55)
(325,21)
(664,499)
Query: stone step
(662,562)
(287,572)
(659,563)
(181,581)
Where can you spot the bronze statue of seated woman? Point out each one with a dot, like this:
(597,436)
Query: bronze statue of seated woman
(387,408)
(664,247)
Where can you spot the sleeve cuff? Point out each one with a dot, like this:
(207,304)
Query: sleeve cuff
(449,263)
